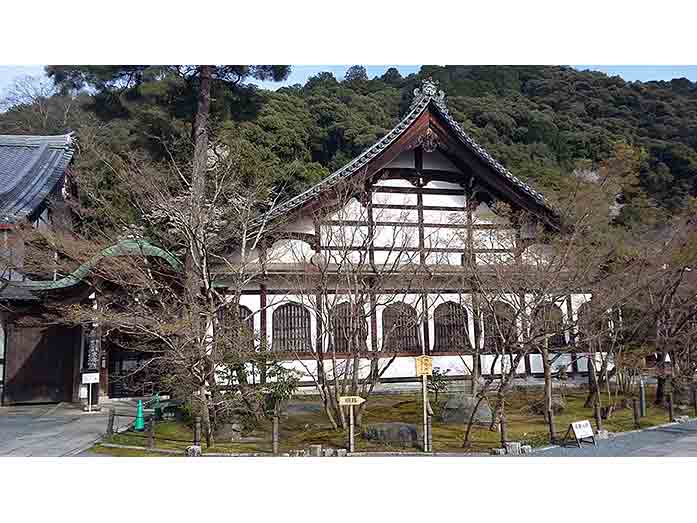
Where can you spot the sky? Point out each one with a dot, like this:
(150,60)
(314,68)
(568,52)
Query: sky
(300,73)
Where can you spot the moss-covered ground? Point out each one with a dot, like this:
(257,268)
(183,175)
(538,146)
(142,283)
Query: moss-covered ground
(307,426)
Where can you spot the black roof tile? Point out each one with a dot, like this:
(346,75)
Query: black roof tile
(30,169)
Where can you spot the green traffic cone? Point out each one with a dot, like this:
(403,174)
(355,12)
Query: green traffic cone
(140,420)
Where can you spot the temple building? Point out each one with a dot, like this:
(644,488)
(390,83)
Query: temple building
(38,363)
(369,268)
(358,275)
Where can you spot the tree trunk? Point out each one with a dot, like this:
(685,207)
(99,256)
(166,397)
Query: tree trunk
(593,388)
(192,278)
(548,380)
(206,417)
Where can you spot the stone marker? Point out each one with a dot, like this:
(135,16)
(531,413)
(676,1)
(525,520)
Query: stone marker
(458,409)
(193,451)
(513,448)
(393,433)
(229,432)
(315,451)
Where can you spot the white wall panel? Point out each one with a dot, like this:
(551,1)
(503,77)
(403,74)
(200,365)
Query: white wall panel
(387,198)
(445,217)
(444,200)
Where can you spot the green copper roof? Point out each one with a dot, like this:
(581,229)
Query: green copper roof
(122,248)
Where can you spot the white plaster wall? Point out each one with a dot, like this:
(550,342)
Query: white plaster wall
(444,258)
(396,237)
(352,211)
(345,235)
(290,251)
(395,215)
(493,239)
(484,215)
(386,198)
(304,224)
(444,238)
(445,200)
(253,256)
(387,259)
(253,303)
(394,182)
(445,217)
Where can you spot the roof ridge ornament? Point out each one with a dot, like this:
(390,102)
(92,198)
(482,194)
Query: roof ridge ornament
(429,91)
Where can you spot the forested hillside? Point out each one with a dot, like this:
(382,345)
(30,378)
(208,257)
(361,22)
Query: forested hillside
(540,121)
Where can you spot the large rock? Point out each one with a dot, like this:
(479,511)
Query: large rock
(395,433)
(558,406)
(229,432)
(458,409)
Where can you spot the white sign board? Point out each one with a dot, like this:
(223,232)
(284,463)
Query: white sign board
(582,429)
(350,400)
(90,377)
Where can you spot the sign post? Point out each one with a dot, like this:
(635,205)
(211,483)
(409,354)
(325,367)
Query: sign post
(424,368)
(88,378)
(582,431)
(351,401)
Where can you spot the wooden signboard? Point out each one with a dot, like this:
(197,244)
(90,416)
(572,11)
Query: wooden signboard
(424,365)
(90,377)
(350,400)
(582,432)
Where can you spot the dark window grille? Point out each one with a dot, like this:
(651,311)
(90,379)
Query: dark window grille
(244,322)
(400,330)
(450,320)
(499,330)
(291,329)
(349,328)
(550,321)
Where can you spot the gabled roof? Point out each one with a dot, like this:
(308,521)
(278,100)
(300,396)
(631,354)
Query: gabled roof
(30,169)
(428,97)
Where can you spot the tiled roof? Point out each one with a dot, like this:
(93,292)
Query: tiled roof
(15,293)
(30,169)
(428,94)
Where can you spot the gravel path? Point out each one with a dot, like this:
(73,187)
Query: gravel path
(675,440)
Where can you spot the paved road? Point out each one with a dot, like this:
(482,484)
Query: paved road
(48,430)
(676,440)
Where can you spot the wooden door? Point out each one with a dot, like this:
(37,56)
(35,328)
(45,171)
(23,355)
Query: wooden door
(40,363)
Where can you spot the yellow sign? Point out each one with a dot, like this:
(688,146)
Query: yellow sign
(424,365)
(350,400)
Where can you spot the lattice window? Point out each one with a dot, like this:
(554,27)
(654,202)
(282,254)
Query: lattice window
(550,323)
(244,322)
(291,329)
(451,333)
(499,329)
(349,328)
(400,329)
